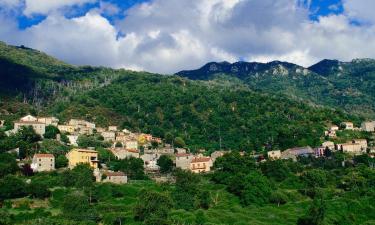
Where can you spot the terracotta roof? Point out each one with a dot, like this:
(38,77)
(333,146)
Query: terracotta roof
(115,174)
(182,154)
(202,159)
(133,150)
(44,155)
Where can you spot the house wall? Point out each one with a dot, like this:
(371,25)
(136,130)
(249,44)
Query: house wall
(43,164)
(76,157)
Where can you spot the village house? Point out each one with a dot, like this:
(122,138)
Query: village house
(43,162)
(39,128)
(73,139)
(334,128)
(274,154)
(109,136)
(293,153)
(368,126)
(112,128)
(217,154)
(201,164)
(100,130)
(362,142)
(328,144)
(180,150)
(320,152)
(150,161)
(348,125)
(131,144)
(183,160)
(330,133)
(115,177)
(2,122)
(122,153)
(49,121)
(77,156)
(351,148)
(66,129)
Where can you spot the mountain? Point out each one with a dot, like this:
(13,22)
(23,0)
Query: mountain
(346,85)
(201,112)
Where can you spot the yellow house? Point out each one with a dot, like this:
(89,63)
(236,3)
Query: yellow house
(77,156)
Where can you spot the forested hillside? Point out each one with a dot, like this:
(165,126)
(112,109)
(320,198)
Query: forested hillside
(348,86)
(204,113)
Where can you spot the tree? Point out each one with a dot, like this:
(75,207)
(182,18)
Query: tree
(179,142)
(316,213)
(133,167)
(153,207)
(12,187)
(165,164)
(186,193)
(76,206)
(154,144)
(276,169)
(278,197)
(254,188)
(38,188)
(61,161)
(105,156)
(315,178)
(8,164)
(51,132)
(168,138)
(118,145)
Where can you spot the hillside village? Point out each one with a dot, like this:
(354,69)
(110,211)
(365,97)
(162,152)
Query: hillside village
(123,144)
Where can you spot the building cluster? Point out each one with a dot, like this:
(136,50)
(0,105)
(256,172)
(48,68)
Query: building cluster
(37,123)
(127,144)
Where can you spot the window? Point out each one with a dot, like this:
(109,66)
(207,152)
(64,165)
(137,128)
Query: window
(40,160)
(51,160)
(40,164)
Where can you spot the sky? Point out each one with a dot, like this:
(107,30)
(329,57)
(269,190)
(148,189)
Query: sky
(166,36)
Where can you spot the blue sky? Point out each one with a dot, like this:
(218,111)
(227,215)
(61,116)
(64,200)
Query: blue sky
(166,36)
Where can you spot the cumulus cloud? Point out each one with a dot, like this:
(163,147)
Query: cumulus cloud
(47,6)
(362,10)
(166,36)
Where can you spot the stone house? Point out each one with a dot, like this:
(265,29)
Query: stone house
(201,164)
(348,125)
(66,128)
(2,122)
(293,153)
(112,128)
(368,126)
(217,154)
(77,156)
(328,144)
(351,148)
(40,128)
(109,136)
(43,162)
(274,154)
(115,178)
(131,144)
(183,160)
(49,121)
(122,153)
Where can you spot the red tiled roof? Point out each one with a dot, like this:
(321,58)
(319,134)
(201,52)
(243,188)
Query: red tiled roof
(44,156)
(133,150)
(182,154)
(203,159)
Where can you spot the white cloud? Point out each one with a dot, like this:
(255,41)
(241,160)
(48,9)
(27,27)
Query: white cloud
(47,6)
(362,10)
(166,36)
